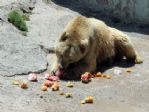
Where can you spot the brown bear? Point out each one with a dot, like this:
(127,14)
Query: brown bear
(85,42)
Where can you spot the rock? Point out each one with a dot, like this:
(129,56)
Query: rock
(18,54)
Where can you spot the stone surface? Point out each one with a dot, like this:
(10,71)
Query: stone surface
(128,11)
(20,54)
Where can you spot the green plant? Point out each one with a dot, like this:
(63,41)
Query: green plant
(17,20)
(25,17)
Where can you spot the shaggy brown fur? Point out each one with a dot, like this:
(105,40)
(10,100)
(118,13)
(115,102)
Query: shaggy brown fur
(88,41)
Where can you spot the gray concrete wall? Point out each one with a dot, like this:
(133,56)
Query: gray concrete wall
(136,11)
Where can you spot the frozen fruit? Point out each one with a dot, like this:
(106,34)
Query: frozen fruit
(32,77)
(44,88)
(86,77)
(24,86)
(89,99)
(55,86)
(48,83)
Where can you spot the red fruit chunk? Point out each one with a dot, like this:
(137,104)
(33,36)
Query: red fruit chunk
(32,77)
(53,78)
(86,77)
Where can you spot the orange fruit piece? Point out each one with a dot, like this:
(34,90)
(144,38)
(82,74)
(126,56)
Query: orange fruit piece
(98,74)
(55,86)
(24,86)
(89,99)
(44,88)
(48,83)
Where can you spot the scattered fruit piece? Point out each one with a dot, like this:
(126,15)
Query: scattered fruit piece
(47,75)
(44,88)
(108,76)
(98,74)
(69,84)
(86,77)
(24,86)
(128,70)
(68,95)
(32,77)
(89,99)
(55,86)
(62,93)
(83,102)
(104,75)
(117,72)
(48,83)
(53,78)
(15,82)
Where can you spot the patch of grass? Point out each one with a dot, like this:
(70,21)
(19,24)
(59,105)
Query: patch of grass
(25,17)
(17,20)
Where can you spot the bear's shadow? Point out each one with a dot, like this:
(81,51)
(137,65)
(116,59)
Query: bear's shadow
(107,65)
(104,67)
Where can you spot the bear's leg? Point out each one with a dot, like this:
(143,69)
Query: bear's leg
(130,53)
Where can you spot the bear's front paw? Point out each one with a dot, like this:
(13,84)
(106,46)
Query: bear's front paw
(138,61)
(54,70)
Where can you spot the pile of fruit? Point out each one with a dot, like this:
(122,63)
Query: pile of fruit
(52,82)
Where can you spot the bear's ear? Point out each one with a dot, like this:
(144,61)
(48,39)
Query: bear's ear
(64,36)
